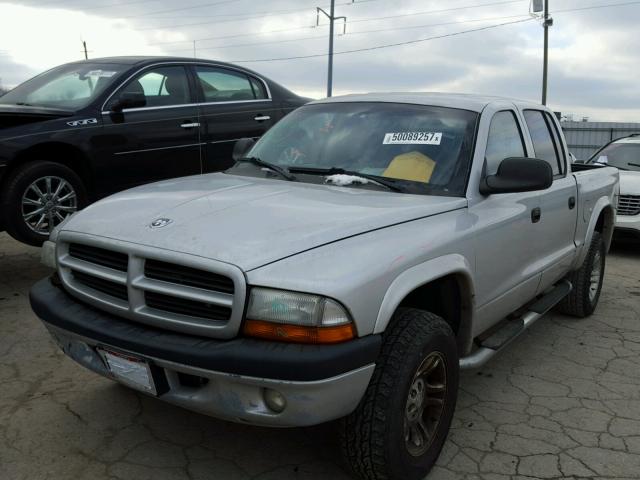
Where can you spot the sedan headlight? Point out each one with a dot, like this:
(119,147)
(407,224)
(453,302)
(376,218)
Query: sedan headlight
(296,317)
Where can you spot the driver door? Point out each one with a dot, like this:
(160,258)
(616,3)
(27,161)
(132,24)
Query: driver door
(158,141)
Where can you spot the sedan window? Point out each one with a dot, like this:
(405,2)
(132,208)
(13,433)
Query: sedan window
(165,86)
(220,85)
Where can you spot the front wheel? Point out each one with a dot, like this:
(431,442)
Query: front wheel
(39,196)
(400,426)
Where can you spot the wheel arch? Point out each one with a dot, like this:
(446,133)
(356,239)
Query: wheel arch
(603,221)
(442,286)
(63,153)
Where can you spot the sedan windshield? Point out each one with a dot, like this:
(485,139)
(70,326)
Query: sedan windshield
(414,148)
(623,155)
(68,87)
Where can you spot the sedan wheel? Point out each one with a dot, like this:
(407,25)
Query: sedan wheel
(47,202)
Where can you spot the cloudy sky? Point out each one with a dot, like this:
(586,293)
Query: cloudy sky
(594,53)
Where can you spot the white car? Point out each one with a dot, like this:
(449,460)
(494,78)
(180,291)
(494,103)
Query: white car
(624,154)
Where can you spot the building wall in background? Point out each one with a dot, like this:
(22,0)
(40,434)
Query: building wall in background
(584,138)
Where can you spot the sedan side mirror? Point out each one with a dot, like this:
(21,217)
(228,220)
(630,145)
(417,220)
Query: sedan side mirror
(129,100)
(242,147)
(518,175)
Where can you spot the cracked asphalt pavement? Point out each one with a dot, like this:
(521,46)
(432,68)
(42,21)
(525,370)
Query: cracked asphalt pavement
(563,401)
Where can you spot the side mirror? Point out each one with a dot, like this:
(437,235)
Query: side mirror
(242,147)
(518,175)
(129,100)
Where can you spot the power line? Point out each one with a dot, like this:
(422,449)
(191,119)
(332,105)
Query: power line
(444,10)
(307,27)
(311,27)
(213,22)
(594,7)
(359,32)
(192,7)
(388,45)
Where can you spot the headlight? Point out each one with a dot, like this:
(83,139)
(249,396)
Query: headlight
(296,317)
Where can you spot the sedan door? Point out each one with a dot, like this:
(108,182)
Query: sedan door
(152,142)
(234,105)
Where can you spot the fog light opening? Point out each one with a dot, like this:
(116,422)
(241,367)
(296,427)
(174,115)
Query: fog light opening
(275,400)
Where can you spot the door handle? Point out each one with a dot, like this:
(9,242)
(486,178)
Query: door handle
(190,125)
(536,213)
(572,203)
(262,118)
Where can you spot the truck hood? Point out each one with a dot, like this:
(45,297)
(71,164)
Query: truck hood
(249,222)
(15,115)
(629,183)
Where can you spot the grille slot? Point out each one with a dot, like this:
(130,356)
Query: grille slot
(183,306)
(187,276)
(104,286)
(99,256)
(629,205)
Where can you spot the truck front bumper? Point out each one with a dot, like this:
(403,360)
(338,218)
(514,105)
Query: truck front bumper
(224,379)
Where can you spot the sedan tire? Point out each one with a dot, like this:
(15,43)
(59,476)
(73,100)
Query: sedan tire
(40,195)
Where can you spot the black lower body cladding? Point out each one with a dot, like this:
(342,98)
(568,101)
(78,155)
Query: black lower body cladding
(242,356)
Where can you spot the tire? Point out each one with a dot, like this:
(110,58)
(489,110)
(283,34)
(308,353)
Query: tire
(373,438)
(29,216)
(583,299)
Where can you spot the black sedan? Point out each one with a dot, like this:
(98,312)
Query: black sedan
(86,129)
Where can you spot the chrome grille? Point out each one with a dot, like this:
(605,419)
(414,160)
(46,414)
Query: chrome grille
(629,205)
(154,286)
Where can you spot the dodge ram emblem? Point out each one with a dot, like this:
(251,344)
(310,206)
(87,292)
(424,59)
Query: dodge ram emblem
(160,222)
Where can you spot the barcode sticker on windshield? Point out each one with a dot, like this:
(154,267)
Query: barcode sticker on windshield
(412,138)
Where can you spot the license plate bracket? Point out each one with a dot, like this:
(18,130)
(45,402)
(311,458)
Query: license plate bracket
(133,371)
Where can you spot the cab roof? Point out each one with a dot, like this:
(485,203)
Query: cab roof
(472,102)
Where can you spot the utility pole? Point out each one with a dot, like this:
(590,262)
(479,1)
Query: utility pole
(332,18)
(86,54)
(548,22)
(194,49)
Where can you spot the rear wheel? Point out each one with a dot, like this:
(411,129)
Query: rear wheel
(402,422)
(39,196)
(586,281)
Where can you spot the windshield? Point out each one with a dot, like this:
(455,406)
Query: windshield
(425,149)
(625,156)
(68,87)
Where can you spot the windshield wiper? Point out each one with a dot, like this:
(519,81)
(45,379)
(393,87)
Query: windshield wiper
(283,172)
(24,104)
(342,171)
(633,164)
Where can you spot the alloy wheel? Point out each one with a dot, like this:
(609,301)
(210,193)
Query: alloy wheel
(47,202)
(425,404)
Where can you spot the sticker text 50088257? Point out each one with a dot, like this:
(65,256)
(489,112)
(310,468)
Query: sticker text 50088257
(412,138)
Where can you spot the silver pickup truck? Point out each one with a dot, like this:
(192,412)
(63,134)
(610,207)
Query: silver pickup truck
(349,264)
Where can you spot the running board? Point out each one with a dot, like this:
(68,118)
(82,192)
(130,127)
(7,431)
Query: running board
(512,329)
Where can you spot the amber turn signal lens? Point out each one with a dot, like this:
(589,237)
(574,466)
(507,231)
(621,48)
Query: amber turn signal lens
(297,333)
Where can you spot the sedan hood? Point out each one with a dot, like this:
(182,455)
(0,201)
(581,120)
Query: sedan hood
(629,183)
(15,115)
(246,221)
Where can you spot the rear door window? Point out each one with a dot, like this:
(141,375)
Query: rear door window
(221,85)
(545,148)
